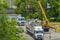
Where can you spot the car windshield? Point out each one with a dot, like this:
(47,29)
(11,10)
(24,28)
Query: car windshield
(21,19)
(38,31)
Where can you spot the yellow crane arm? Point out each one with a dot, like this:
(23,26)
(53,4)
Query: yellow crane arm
(43,12)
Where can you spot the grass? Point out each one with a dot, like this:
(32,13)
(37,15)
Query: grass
(58,30)
(53,24)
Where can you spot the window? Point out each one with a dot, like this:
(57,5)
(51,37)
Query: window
(38,31)
(21,19)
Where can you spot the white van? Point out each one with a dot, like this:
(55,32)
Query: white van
(21,20)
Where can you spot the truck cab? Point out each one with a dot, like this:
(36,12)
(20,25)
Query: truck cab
(38,33)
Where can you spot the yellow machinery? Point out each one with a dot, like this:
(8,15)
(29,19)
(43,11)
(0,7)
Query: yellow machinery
(44,15)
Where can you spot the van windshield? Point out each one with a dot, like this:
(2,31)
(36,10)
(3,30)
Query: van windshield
(21,19)
(38,31)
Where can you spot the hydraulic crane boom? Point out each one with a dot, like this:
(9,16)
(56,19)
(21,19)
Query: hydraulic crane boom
(43,12)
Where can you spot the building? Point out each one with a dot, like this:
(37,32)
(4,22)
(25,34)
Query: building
(10,6)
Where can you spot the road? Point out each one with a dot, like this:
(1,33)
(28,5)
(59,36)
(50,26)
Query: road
(51,35)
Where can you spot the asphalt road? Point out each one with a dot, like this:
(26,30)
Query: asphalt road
(51,35)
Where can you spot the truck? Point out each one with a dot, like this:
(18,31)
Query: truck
(36,30)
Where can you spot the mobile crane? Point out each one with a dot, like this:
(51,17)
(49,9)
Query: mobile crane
(47,23)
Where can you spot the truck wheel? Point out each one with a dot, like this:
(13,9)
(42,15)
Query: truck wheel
(35,39)
(46,29)
(41,39)
(26,32)
(18,24)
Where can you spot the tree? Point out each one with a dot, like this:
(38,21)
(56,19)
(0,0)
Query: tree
(20,4)
(25,7)
(58,18)
(8,28)
(55,9)
(3,5)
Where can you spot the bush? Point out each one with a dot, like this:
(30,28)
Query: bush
(8,29)
(20,30)
(58,19)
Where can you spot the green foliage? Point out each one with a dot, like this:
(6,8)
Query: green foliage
(20,30)
(20,6)
(55,9)
(58,30)
(3,5)
(38,15)
(7,29)
(26,7)
(58,19)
